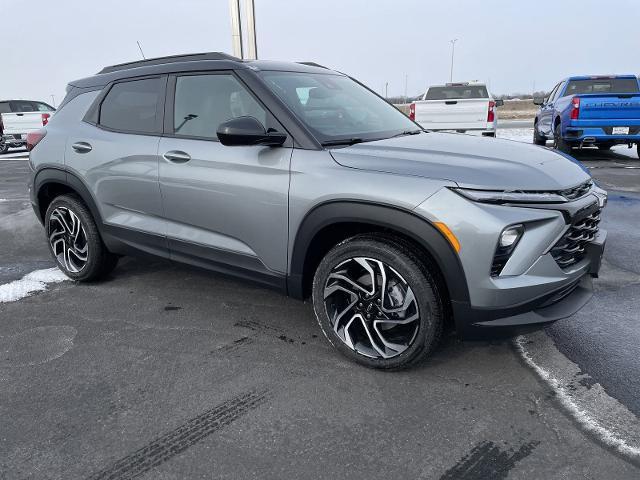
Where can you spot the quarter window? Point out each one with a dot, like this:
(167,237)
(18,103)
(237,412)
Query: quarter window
(132,106)
(203,102)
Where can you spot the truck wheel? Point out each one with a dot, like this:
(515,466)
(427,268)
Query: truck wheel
(537,138)
(4,147)
(638,148)
(74,240)
(558,141)
(378,303)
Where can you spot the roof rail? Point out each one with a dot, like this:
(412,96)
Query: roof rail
(170,59)
(313,64)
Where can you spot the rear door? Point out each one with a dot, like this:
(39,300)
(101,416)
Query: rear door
(225,207)
(115,150)
(454,107)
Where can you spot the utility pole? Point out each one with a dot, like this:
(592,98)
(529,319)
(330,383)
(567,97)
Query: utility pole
(453,49)
(252,43)
(53,100)
(406,81)
(236,28)
(386,90)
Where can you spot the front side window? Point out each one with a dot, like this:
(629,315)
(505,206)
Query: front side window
(132,106)
(203,102)
(334,107)
(43,107)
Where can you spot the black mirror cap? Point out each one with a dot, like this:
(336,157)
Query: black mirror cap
(538,100)
(248,131)
(499,102)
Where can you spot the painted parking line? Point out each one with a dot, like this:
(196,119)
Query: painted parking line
(585,400)
(31,283)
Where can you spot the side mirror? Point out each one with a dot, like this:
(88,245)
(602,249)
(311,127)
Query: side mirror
(499,103)
(248,131)
(538,100)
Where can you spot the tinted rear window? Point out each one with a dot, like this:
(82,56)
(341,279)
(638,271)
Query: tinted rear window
(604,85)
(4,107)
(133,106)
(457,92)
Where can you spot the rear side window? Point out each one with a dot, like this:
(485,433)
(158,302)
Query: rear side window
(133,106)
(602,85)
(457,92)
(203,102)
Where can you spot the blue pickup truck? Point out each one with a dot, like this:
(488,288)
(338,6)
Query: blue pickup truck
(600,111)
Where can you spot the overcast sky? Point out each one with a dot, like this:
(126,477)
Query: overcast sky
(509,43)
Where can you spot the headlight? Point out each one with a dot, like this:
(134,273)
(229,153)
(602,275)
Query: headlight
(489,196)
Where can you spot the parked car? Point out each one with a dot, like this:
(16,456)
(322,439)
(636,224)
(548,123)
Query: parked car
(460,107)
(302,179)
(18,118)
(600,111)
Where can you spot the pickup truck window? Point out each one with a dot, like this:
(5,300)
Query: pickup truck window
(4,107)
(335,107)
(602,85)
(457,92)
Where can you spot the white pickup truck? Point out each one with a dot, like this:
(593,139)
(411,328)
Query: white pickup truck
(18,118)
(460,107)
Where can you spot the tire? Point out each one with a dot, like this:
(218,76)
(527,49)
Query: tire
(537,138)
(4,147)
(74,240)
(361,326)
(558,141)
(638,148)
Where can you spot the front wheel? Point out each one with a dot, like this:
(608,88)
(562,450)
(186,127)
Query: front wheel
(558,141)
(4,146)
(378,303)
(537,138)
(74,240)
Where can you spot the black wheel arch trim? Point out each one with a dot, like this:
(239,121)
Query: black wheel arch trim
(389,217)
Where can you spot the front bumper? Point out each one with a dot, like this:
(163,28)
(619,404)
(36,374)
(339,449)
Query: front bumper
(531,283)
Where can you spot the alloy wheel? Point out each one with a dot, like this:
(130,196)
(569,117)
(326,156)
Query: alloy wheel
(68,239)
(371,307)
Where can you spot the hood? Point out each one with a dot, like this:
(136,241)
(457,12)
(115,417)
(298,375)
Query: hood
(473,162)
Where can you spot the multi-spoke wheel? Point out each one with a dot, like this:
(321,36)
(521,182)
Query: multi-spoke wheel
(377,302)
(74,240)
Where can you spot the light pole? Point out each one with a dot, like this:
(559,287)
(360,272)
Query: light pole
(236,28)
(386,90)
(453,49)
(406,80)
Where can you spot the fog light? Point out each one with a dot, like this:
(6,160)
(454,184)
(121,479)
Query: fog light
(510,236)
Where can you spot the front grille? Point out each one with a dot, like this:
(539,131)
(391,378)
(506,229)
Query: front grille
(570,249)
(577,192)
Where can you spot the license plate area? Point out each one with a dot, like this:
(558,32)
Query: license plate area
(620,131)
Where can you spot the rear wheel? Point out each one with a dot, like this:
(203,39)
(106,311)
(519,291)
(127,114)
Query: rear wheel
(378,303)
(4,146)
(537,138)
(558,141)
(74,240)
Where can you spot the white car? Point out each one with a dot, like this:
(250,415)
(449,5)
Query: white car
(460,107)
(18,118)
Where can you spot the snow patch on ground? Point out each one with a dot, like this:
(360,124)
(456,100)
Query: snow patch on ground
(517,134)
(29,284)
(590,406)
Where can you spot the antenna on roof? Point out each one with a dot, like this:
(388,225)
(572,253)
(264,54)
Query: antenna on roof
(141,52)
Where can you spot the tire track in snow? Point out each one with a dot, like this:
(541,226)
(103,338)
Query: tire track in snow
(585,400)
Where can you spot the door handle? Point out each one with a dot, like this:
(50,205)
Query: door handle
(177,156)
(82,147)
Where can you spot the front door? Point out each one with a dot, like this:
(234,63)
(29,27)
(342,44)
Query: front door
(225,207)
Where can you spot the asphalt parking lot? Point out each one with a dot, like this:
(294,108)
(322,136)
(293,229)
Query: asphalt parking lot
(169,372)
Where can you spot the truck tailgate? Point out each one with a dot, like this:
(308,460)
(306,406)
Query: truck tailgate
(20,123)
(454,113)
(610,106)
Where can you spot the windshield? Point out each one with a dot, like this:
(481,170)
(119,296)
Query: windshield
(602,85)
(336,108)
(457,92)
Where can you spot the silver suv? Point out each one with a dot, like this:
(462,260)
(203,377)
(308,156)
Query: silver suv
(302,179)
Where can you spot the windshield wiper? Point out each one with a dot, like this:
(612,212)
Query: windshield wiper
(407,132)
(342,141)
